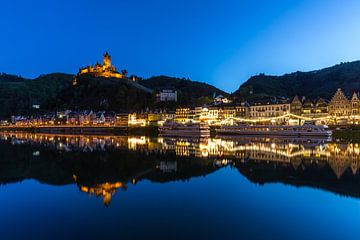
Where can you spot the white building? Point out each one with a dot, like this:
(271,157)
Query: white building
(167,95)
(220,100)
(269,110)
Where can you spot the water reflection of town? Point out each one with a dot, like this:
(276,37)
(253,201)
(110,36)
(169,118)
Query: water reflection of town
(275,153)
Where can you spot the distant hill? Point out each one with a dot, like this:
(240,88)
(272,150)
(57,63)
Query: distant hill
(321,83)
(189,92)
(99,93)
(126,95)
(10,78)
(17,94)
(55,92)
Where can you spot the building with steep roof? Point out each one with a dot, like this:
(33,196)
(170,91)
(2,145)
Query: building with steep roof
(340,105)
(321,106)
(308,107)
(296,106)
(355,104)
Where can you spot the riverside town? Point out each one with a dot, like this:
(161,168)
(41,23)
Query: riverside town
(180,120)
(341,110)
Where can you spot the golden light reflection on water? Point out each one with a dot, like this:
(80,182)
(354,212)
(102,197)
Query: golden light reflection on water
(339,156)
(263,149)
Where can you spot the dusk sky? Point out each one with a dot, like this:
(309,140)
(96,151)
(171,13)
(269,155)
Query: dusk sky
(219,42)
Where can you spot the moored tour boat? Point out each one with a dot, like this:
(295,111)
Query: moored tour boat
(173,129)
(306,130)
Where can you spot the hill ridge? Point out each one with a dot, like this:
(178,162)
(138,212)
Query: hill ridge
(316,83)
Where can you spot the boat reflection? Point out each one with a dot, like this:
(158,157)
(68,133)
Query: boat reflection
(101,165)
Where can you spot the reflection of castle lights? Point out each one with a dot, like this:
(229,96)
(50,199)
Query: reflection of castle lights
(105,190)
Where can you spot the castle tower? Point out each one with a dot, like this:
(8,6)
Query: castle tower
(107,60)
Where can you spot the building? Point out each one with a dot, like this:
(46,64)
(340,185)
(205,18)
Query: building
(227,112)
(99,118)
(220,99)
(86,117)
(138,119)
(339,105)
(242,110)
(182,115)
(308,107)
(101,70)
(4,123)
(168,115)
(122,120)
(269,110)
(195,113)
(154,117)
(321,107)
(166,95)
(296,106)
(355,104)
(110,118)
(212,114)
(73,118)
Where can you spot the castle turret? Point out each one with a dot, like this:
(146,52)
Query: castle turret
(107,60)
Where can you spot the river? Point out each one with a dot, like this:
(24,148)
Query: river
(137,187)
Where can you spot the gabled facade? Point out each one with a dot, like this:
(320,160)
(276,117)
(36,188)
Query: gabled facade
(321,106)
(296,106)
(308,107)
(355,104)
(340,105)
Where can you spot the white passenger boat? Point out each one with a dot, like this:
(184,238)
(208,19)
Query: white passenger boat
(306,130)
(173,129)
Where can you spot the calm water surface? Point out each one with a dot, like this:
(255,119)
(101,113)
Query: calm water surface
(90,187)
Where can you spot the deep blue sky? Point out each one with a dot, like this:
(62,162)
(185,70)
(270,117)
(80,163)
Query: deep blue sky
(219,42)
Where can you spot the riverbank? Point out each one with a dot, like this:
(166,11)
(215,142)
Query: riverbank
(148,131)
(343,134)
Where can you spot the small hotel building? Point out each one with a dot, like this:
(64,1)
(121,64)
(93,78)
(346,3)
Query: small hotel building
(269,110)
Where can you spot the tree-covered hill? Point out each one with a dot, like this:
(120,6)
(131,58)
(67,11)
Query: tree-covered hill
(126,95)
(56,92)
(100,93)
(189,92)
(320,83)
(17,94)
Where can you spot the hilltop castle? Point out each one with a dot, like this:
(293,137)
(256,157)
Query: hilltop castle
(101,70)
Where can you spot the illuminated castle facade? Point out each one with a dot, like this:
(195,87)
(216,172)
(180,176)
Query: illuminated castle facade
(100,70)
